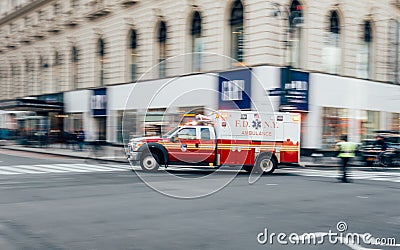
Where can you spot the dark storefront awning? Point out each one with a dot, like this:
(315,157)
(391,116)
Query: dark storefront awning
(32,105)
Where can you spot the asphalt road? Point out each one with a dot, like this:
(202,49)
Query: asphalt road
(117,210)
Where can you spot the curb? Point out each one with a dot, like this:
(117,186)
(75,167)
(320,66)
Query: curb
(65,155)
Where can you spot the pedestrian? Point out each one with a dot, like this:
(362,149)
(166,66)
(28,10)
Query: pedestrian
(74,140)
(346,152)
(380,142)
(81,139)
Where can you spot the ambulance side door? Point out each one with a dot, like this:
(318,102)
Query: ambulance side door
(182,147)
(206,145)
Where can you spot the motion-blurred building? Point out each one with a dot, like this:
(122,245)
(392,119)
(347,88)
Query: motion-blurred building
(76,61)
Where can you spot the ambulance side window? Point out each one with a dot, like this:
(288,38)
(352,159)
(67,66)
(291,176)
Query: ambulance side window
(187,134)
(205,134)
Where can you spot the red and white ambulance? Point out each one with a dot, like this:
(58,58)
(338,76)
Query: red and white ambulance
(231,137)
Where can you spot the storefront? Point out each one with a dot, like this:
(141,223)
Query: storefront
(348,106)
(98,106)
(34,117)
(331,106)
(78,113)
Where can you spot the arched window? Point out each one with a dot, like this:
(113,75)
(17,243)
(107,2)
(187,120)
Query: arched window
(56,72)
(237,31)
(295,20)
(332,51)
(393,49)
(40,75)
(365,52)
(45,72)
(74,67)
(162,49)
(196,45)
(100,55)
(3,80)
(28,78)
(133,55)
(14,80)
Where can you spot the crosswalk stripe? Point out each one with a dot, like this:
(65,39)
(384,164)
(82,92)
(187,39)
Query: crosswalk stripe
(96,167)
(65,169)
(3,172)
(73,168)
(20,169)
(60,168)
(90,168)
(353,174)
(123,167)
(43,168)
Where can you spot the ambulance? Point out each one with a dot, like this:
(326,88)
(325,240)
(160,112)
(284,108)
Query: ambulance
(225,138)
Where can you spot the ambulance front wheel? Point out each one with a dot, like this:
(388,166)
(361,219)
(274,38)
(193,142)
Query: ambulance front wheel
(266,164)
(149,162)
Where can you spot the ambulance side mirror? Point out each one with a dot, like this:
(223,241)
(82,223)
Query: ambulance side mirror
(173,139)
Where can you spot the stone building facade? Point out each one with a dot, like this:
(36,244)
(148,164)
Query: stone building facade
(54,46)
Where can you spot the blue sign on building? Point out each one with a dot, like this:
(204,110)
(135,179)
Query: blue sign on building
(98,102)
(234,89)
(295,90)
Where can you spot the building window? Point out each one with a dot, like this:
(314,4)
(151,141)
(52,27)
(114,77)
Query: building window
(29,81)
(101,54)
(335,124)
(56,7)
(133,55)
(365,52)
(74,122)
(13,81)
(197,46)
(294,41)
(393,56)
(56,72)
(332,52)
(43,66)
(74,67)
(237,31)
(127,125)
(394,124)
(162,49)
(369,123)
(75,4)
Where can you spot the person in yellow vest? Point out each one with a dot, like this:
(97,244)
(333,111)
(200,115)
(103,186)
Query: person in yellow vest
(346,152)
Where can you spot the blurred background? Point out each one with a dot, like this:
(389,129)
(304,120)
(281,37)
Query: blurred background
(73,65)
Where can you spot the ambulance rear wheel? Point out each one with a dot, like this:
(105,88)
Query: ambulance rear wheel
(149,162)
(266,164)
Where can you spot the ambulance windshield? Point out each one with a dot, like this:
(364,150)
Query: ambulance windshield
(169,133)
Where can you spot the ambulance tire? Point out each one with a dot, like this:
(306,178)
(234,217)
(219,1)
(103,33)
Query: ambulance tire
(266,164)
(149,162)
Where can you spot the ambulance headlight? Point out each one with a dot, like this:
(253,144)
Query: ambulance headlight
(136,146)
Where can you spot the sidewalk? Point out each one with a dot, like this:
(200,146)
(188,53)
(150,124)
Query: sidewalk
(117,154)
(110,153)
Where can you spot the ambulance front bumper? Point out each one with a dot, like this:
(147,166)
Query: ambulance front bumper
(133,155)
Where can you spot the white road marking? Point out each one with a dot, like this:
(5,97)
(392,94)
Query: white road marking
(19,170)
(60,168)
(97,167)
(353,174)
(42,168)
(3,172)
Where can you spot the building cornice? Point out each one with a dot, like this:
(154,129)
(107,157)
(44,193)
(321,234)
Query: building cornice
(23,10)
